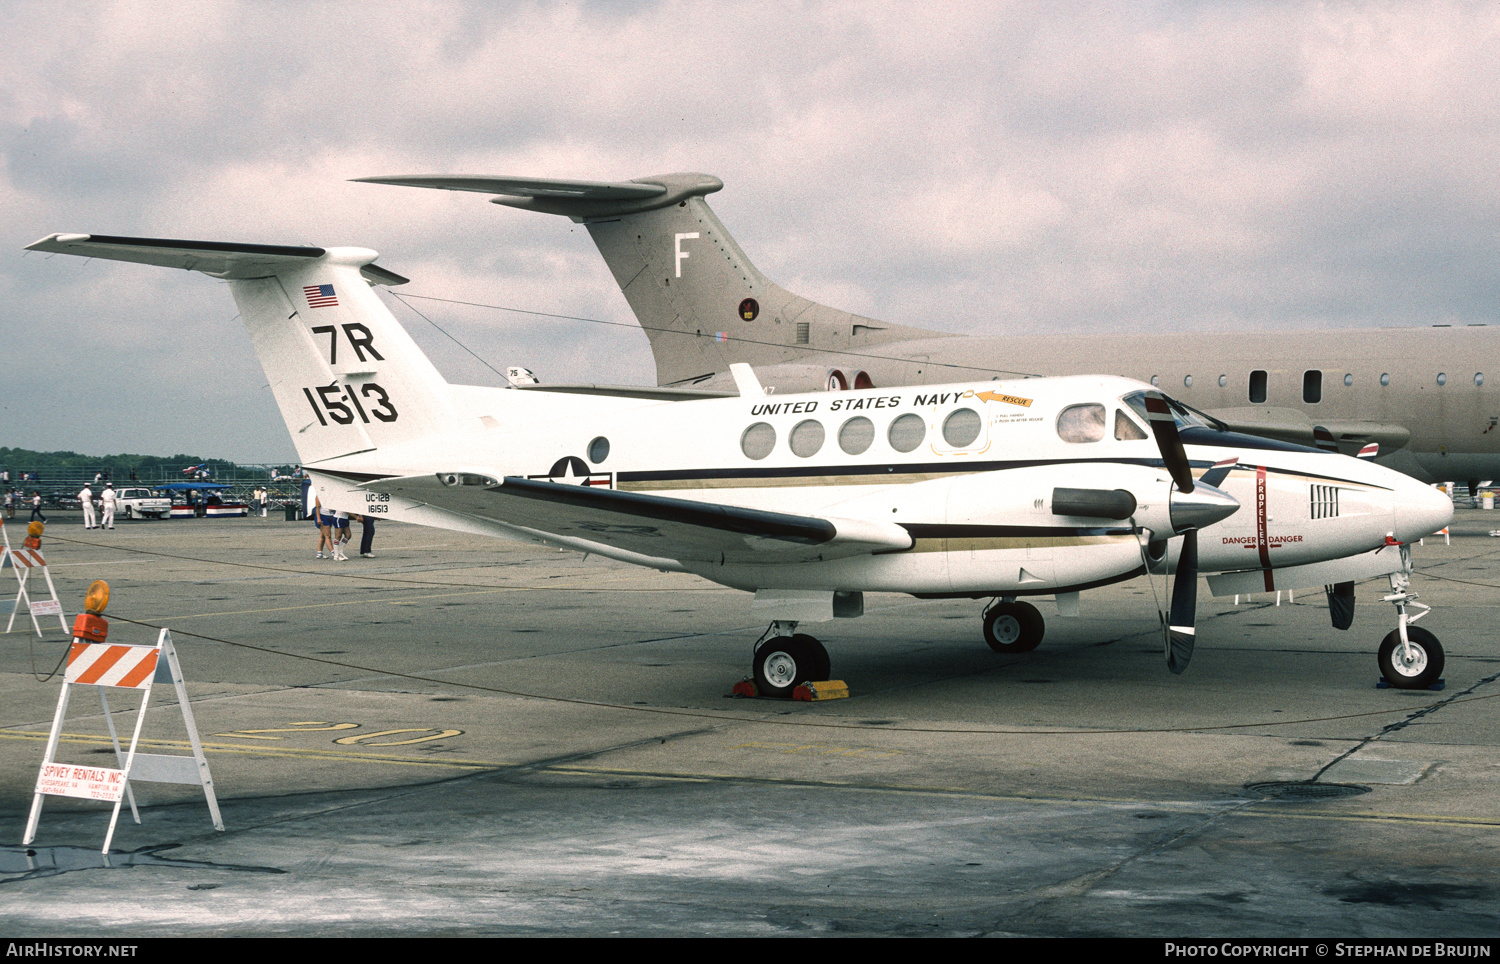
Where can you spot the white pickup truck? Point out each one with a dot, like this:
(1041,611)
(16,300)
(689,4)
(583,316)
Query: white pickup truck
(140,503)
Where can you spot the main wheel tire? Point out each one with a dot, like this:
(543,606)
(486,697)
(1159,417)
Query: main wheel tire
(1423,669)
(784,662)
(1015,627)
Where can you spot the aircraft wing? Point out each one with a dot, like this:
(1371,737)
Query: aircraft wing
(1291,425)
(684,529)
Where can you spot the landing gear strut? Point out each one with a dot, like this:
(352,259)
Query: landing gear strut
(1410,657)
(785,658)
(1013,627)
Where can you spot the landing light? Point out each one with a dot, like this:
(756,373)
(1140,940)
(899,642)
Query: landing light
(465,478)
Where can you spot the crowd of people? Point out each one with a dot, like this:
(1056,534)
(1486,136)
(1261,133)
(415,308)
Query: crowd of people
(333,532)
(99,513)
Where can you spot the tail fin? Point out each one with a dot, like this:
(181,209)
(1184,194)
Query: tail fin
(346,375)
(703,304)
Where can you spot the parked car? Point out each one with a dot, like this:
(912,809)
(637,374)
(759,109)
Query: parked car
(134,503)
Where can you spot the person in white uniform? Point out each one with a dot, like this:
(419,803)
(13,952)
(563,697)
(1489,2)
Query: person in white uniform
(86,497)
(108,500)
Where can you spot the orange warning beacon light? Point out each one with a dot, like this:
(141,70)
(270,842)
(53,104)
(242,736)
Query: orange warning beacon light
(34,535)
(90,626)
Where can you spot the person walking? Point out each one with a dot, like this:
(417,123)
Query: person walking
(108,500)
(325,536)
(36,507)
(366,536)
(86,498)
(340,534)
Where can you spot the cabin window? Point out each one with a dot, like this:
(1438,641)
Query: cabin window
(758,441)
(1312,386)
(1187,381)
(1258,385)
(907,432)
(1156,380)
(599,450)
(1479,378)
(1223,380)
(1125,428)
(1442,379)
(961,428)
(1348,380)
(1385,379)
(856,435)
(1081,423)
(806,438)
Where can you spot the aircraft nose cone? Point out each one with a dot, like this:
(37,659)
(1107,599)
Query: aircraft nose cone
(1421,510)
(1201,507)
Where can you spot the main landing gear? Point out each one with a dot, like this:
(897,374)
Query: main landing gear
(1410,657)
(1013,627)
(785,658)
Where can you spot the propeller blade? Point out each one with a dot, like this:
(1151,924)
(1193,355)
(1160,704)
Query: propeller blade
(1164,427)
(1182,621)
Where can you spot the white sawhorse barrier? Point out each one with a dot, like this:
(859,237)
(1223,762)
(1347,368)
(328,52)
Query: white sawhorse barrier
(25,561)
(105,665)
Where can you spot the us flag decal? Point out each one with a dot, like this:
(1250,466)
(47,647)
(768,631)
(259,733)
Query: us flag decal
(320,296)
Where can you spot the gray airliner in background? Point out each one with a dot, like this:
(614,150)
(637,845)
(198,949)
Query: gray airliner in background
(1419,394)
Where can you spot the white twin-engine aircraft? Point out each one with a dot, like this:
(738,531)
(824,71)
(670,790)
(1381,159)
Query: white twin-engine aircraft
(993,489)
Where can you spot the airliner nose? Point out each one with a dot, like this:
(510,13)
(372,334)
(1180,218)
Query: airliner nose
(1421,510)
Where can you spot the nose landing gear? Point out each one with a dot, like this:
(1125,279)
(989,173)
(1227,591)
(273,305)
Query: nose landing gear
(1410,657)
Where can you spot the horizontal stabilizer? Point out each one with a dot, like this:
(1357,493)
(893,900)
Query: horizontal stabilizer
(526,186)
(217,258)
(575,199)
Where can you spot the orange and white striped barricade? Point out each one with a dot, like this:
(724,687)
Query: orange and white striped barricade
(24,562)
(105,665)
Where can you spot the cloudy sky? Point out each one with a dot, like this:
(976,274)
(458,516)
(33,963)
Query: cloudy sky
(984,167)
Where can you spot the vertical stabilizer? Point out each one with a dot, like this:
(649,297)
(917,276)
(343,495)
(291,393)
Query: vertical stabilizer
(346,376)
(702,303)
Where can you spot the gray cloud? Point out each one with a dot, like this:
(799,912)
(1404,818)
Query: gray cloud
(971,167)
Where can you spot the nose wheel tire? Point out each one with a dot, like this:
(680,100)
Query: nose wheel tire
(784,662)
(1015,627)
(1417,670)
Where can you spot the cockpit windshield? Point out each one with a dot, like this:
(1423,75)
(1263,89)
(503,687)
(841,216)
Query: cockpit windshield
(1184,417)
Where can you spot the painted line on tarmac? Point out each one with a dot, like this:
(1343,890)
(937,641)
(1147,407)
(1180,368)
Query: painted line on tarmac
(285,752)
(1229,807)
(347,602)
(409,601)
(1365,816)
